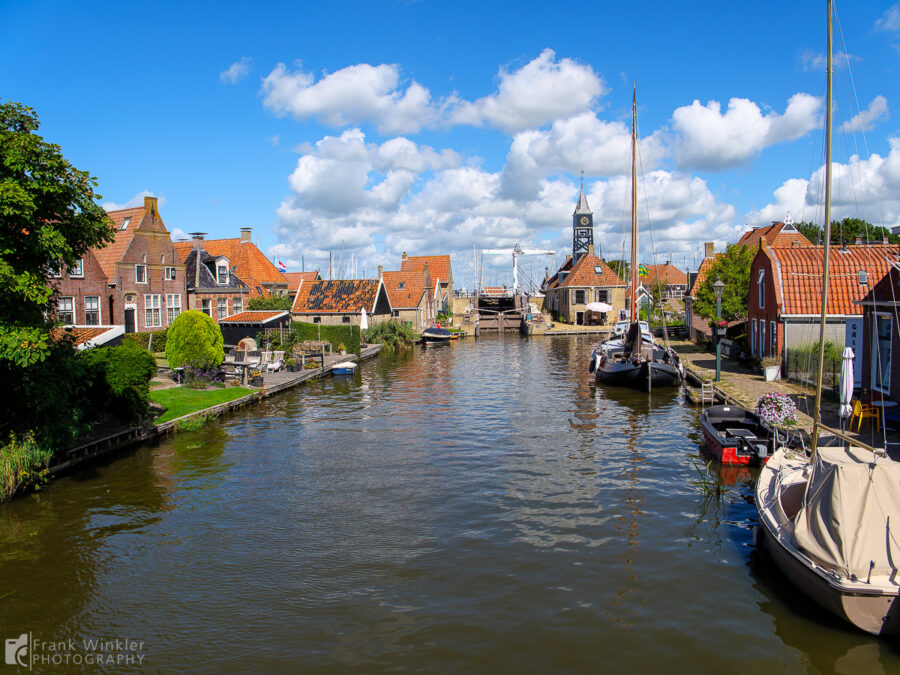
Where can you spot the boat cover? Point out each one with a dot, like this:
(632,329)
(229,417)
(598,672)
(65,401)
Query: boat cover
(852,503)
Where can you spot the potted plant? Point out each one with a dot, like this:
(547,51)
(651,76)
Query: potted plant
(771,366)
(256,378)
(719,326)
(777,410)
(341,349)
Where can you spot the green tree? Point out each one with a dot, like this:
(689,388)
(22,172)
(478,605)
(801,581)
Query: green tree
(733,267)
(846,231)
(49,217)
(620,267)
(281,303)
(194,338)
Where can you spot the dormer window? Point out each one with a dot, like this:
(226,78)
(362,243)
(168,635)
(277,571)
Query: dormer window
(401,285)
(125,223)
(863,278)
(222,274)
(598,269)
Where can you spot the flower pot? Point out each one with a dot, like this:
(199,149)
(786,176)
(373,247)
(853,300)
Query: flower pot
(720,332)
(772,373)
(256,381)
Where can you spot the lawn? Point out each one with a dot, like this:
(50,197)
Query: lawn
(180,401)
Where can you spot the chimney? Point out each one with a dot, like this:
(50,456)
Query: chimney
(404,255)
(381,271)
(709,249)
(246,235)
(668,262)
(858,241)
(884,240)
(150,203)
(590,249)
(198,240)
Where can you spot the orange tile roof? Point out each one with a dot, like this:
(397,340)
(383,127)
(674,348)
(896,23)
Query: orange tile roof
(411,293)
(337,296)
(776,237)
(702,271)
(438,266)
(294,279)
(583,273)
(666,274)
(799,280)
(79,333)
(252,265)
(108,256)
(253,316)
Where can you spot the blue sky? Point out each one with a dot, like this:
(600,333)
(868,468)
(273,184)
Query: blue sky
(382,127)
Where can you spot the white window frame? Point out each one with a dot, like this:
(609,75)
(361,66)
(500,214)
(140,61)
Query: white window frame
(170,274)
(752,337)
(884,386)
(87,311)
(60,311)
(77,272)
(206,306)
(125,223)
(173,307)
(237,305)
(221,308)
(761,288)
(137,276)
(152,314)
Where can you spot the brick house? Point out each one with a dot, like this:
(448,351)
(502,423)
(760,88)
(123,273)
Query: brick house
(339,301)
(698,327)
(294,280)
(574,285)
(672,279)
(777,235)
(136,281)
(441,273)
(212,285)
(414,299)
(880,353)
(249,263)
(785,297)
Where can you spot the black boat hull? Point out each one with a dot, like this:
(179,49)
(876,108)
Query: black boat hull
(645,376)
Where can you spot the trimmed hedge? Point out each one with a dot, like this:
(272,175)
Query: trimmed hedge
(196,339)
(119,379)
(349,336)
(143,339)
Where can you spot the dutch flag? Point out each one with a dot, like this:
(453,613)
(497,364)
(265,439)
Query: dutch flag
(282,267)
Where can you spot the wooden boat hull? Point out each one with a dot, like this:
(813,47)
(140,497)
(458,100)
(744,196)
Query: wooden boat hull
(866,608)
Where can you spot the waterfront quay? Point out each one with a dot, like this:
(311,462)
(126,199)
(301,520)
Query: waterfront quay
(477,506)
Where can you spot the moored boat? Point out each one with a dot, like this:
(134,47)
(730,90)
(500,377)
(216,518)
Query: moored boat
(436,335)
(343,368)
(736,436)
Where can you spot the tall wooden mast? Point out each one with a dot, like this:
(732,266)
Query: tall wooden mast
(634,228)
(827,248)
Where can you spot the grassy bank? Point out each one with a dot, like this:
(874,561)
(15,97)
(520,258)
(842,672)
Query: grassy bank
(22,461)
(180,401)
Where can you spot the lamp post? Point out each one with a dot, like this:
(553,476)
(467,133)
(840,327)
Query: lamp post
(718,287)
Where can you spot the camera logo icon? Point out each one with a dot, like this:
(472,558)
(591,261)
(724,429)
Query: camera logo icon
(17,650)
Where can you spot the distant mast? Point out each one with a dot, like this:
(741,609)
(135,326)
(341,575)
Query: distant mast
(634,228)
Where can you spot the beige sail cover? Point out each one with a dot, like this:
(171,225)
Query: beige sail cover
(852,504)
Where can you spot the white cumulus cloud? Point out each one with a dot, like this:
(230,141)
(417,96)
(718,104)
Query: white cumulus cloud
(137,200)
(890,20)
(237,71)
(707,138)
(866,119)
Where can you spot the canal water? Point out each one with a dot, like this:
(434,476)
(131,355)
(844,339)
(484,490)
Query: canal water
(475,507)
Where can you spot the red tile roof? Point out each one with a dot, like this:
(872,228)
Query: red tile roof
(583,273)
(252,265)
(799,279)
(83,334)
(702,271)
(294,279)
(253,316)
(666,274)
(776,236)
(108,256)
(438,266)
(337,296)
(411,293)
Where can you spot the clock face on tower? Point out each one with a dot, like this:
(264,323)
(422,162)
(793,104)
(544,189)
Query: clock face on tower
(584,220)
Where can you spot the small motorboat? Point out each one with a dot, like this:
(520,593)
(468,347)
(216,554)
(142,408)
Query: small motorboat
(343,368)
(436,335)
(736,436)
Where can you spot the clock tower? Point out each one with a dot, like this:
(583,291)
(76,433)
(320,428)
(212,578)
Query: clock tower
(582,226)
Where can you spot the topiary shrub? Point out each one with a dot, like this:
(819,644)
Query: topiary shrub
(194,338)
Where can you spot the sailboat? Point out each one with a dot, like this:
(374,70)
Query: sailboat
(830,520)
(634,360)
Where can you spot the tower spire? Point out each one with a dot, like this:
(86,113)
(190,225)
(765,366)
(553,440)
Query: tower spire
(582,226)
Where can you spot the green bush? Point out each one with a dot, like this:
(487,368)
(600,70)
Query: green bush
(194,337)
(22,460)
(143,339)
(273,302)
(119,379)
(392,334)
(348,335)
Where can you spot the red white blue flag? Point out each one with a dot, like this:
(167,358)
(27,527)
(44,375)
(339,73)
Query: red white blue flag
(282,267)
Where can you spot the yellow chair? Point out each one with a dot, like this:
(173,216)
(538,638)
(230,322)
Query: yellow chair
(862,411)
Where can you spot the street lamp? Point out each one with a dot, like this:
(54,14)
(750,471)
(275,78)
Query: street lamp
(718,287)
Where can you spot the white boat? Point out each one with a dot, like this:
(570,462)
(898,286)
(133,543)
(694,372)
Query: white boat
(830,521)
(343,368)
